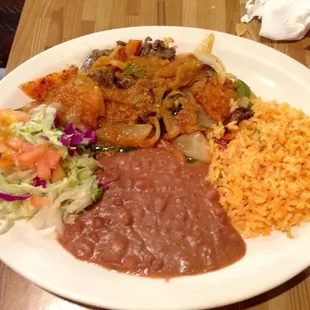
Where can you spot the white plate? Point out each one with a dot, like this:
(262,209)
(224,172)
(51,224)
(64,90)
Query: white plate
(269,261)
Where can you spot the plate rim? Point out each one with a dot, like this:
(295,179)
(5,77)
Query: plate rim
(71,296)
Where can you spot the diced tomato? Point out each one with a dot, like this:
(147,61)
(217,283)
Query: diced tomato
(17,144)
(39,202)
(57,174)
(52,158)
(31,157)
(42,158)
(27,147)
(44,171)
(14,143)
(10,155)
(5,164)
(9,116)
(20,116)
(3,147)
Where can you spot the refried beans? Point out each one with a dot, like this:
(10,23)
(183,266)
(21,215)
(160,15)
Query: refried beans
(158,217)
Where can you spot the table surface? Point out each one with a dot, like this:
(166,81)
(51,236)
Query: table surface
(45,23)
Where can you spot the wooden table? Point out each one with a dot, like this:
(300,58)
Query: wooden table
(45,23)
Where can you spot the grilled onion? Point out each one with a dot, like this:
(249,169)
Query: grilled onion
(194,145)
(123,134)
(151,141)
(215,63)
(203,119)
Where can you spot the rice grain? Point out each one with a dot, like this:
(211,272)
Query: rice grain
(263,176)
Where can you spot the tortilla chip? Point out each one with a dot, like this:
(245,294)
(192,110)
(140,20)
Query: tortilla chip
(240,29)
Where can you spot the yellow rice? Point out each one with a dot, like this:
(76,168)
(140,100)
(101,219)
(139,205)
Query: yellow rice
(263,176)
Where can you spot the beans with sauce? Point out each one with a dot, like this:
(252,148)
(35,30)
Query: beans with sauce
(159,217)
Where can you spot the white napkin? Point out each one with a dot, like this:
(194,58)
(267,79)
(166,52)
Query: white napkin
(281,19)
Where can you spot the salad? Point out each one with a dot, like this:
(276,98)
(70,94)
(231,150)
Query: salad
(43,177)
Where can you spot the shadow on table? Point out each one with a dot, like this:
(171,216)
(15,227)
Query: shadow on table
(249,302)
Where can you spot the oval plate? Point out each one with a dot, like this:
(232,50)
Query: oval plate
(269,261)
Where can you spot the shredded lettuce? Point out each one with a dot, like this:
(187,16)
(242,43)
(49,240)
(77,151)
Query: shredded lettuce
(15,176)
(41,125)
(5,225)
(71,195)
(71,201)
(16,210)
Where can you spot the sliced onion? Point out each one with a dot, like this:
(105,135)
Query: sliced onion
(45,138)
(90,134)
(194,145)
(171,124)
(206,46)
(174,125)
(203,119)
(39,182)
(123,134)
(75,136)
(12,197)
(69,130)
(64,140)
(151,141)
(215,63)
(231,76)
(140,130)
(76,139)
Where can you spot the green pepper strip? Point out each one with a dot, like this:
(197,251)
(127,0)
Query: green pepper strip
(243,89)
